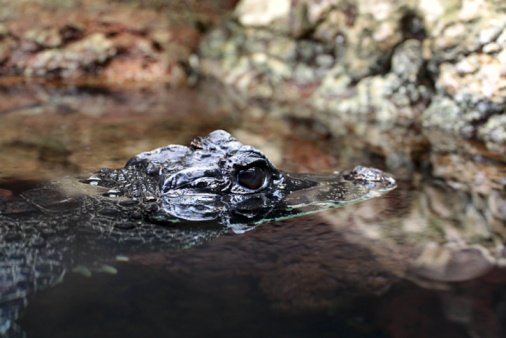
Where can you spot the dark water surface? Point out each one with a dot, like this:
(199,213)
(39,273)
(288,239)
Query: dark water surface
(416,262)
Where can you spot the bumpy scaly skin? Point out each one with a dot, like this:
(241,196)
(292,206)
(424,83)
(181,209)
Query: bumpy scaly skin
(196,183)
(169,198)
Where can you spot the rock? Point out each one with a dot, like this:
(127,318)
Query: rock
(112,42)
(493,132)
(264,13)
(392,97)
(47,38)
(437,64)
(443,113)
(85,54)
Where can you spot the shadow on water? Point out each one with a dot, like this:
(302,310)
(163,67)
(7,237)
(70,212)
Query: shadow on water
(422,261)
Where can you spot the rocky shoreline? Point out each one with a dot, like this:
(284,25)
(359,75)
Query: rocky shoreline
(433,65)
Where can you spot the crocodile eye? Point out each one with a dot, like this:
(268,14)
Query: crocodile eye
(252,178)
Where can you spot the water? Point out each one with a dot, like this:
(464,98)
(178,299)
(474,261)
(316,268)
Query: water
(417,262)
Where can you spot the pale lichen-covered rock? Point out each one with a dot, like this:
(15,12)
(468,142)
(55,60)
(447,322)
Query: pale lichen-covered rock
(437,64)
(265,64)
(467,50)
(445,114)
(357,38)
(396,96)
(493,132)
(49,38)
(92,52)
(264,13)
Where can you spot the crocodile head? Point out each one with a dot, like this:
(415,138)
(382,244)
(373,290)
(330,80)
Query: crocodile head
(219,179)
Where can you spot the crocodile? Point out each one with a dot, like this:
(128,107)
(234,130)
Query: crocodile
(172,197)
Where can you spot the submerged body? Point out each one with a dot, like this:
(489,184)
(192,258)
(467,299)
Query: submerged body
(171,197)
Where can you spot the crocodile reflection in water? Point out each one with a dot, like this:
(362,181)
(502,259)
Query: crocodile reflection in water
(171,197)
